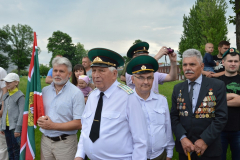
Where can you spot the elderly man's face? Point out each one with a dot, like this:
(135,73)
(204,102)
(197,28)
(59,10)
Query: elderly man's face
(192,68)
(86,63)
(60,74)
(103,78)
(143,82)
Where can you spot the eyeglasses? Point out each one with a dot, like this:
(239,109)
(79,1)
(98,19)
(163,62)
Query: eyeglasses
(141,78)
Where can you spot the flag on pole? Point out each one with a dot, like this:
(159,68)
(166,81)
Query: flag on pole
(33,108)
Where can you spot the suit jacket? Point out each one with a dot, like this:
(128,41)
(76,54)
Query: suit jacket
(213,118)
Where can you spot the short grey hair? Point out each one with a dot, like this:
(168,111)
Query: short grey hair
(193,53)
(112,69)
(64,61)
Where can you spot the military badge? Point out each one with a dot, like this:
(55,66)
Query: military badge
(210,92)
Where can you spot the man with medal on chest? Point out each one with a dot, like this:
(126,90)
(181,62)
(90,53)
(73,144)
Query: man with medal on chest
(199,111)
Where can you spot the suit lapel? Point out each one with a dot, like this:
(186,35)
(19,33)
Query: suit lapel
(202,93)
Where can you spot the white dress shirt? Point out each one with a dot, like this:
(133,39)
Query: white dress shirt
(123,134)
(160,137)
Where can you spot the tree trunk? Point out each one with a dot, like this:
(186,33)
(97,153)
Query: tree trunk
(237,5)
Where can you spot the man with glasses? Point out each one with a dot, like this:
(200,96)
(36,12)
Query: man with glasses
(154,106)
(141,48)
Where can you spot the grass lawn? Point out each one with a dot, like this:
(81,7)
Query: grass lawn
(165,89)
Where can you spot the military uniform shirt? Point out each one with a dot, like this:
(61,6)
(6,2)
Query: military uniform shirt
(123,133)
(160,137)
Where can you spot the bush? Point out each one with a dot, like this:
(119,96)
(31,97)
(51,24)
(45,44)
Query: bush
(22,72)
(43,70)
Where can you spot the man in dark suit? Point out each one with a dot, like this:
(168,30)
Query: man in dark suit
(199,111)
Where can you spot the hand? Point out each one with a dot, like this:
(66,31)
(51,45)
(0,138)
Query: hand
(231,96)
(173,57)
(168,158)
(2,133)
(45,123)
(209,74)
(187,145)
(161,52)
(78,158)
(16,134)
(200,146)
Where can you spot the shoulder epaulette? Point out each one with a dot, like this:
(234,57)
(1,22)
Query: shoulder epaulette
(160,94)
(92,91)
(126,88)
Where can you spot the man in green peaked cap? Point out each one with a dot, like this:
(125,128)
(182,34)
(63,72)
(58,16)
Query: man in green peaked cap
(109,118)
(231,132)
(154,106)
(141,48)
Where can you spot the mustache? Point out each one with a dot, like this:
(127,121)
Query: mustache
(57,77)
(188,72)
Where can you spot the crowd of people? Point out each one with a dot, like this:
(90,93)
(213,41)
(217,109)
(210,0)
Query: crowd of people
(132,121)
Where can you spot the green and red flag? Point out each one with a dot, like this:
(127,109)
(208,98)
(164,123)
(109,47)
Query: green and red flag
(33,108)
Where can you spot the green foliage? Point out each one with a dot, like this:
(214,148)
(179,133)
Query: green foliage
(126,59)
(43,70)
(20,39)
(61,44)
(206,23)
(236,9)
(21,73)
(137,41)
(79,54)
(4,61)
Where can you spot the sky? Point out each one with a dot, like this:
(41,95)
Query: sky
(111,24)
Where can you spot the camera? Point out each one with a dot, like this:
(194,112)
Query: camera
(170,50)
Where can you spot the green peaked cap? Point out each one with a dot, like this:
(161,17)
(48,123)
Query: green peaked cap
(231,50)
(142,64)
(103,57)
(141,47)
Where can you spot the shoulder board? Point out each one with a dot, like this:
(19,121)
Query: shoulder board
(92,91)
(126,88)
(160,94)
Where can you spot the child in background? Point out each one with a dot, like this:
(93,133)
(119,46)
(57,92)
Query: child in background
(83,85)
(208,58)
(12,115)
(78,70)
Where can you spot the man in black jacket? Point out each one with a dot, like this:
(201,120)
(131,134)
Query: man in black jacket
(199,111)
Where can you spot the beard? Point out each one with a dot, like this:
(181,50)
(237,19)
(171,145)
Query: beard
(62,82)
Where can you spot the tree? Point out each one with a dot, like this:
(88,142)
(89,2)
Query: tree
(206,23)
(19,45)
(61,44)
(79,53)
(4,60)
(43,70)
(236,19)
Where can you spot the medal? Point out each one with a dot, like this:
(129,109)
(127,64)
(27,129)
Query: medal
(199,110)
(182,99)
(197,116)
(207,115)
(184,106)
(210,92)
(180,94)
(204,104)
(203,115)
(186,113)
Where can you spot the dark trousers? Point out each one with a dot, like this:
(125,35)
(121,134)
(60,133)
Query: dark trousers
(13,144)
(195,157)
(232,138)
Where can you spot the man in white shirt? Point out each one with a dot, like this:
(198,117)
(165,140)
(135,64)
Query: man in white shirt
(3,90)
(113,124)
(154,106)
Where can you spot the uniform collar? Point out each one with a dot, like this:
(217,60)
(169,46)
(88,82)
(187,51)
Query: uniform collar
(110,90)
(152,96)
(198,80)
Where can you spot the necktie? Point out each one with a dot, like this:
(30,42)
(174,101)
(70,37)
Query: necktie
(191,91)
(94,133)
